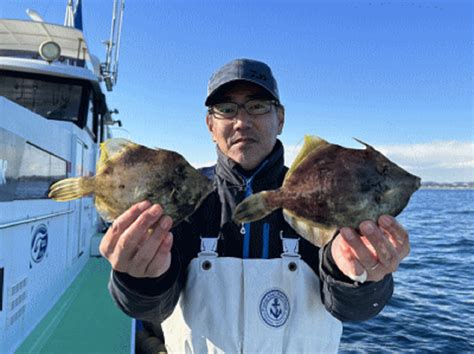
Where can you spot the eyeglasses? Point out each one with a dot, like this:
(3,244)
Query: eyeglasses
(228,110)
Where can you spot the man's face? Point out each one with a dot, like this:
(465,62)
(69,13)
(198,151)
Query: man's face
(246,139)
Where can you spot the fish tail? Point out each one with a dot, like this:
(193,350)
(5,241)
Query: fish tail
(254,207)
(71,188)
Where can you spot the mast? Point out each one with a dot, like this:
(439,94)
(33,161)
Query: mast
(109,69)
(69,17)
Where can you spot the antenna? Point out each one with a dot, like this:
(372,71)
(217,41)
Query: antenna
(109,69)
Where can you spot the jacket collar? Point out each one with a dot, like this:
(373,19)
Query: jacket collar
(268,170)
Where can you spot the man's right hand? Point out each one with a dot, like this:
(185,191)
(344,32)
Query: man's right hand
(139,241)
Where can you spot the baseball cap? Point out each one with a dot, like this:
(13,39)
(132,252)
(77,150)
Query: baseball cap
(249,70)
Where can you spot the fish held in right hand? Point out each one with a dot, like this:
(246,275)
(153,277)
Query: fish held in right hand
(128,173)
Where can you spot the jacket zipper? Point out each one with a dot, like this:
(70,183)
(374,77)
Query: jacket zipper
(246,226)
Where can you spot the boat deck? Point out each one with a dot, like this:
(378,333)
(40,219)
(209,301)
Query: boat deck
(85,319)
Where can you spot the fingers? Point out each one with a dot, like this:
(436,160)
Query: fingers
(396,233)
(344,255)
(363,251)
(378,250)
(154,249)
(120,224)
(136,234)
(364,257)
(137,238)
(386,253)
(162,258)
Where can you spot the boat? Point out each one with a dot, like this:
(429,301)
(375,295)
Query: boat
(53,117)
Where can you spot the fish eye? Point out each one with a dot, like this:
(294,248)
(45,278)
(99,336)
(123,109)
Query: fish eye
(122,186)
(383,170)
(179,169)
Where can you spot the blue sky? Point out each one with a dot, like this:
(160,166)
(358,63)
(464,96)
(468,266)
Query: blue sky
(396,74)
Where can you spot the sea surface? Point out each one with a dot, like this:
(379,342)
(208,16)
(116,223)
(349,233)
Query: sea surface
(432,308)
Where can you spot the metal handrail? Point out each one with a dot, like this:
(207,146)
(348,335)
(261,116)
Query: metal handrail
(37,218)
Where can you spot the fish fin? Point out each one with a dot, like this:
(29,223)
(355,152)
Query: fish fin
(109,149)
(104,209)
(367,146)
(71,188)
(317,234)
(253,208)
(311,143)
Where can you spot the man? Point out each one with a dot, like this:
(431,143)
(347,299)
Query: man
(257,287)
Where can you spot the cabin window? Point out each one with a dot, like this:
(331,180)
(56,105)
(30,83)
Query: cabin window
(52,98)
(91,118)
(26,171)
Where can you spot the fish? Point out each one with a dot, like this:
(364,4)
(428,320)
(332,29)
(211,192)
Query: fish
(128,173)
(329,186)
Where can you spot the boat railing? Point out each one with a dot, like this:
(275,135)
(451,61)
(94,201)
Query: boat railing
(35,219)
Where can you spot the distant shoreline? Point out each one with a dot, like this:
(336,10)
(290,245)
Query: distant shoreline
(455,185)
(447,188)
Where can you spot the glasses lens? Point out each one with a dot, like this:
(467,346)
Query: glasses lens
(258,107)
(225,110)
(228,110)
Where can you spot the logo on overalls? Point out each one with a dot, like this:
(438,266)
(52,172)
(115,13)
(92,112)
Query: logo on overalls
(274,308)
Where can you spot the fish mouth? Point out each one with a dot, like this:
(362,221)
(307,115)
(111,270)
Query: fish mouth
(418,182)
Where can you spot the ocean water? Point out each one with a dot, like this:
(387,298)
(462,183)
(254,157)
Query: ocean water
(432,309)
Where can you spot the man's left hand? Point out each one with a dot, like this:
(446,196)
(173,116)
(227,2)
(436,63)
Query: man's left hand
(378,250)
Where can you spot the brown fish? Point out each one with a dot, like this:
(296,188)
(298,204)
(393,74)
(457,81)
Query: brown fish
(128,173)
(329,186)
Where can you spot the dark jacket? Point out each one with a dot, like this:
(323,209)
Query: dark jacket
(154,299)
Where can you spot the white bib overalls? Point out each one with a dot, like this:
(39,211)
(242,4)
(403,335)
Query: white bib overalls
(235,305)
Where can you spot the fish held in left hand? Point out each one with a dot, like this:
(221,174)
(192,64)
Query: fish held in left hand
(128,173)
(329,186)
